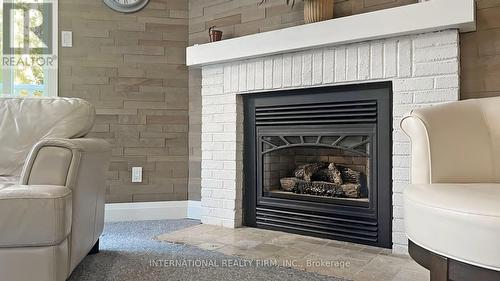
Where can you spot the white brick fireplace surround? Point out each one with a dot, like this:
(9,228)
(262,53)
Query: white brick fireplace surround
(422,62)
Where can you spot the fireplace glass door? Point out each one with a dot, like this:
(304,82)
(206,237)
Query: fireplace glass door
(317,161)
(320,164)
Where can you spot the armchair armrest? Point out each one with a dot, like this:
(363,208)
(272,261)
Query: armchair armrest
(415,128)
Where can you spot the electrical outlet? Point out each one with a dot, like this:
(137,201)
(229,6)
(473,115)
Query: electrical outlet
(136,174)
(66,39)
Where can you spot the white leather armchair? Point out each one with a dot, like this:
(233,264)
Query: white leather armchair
(52,187)
(452,208)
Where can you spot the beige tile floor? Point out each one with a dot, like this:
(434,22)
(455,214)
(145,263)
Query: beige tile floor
(323,256)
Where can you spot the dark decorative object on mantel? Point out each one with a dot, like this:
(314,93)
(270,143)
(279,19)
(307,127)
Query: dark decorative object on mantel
(215,35)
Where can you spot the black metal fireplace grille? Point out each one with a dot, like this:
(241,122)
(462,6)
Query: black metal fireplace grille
(356,120)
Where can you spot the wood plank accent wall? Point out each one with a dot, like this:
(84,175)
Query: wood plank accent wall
(132,68)
(480,53)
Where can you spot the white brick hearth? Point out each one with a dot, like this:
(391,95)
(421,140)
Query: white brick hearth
(424,70)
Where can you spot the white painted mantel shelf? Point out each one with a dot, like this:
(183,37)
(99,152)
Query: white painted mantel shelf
(410,19)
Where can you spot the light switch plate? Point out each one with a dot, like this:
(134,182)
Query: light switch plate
(66,39)
(136,174)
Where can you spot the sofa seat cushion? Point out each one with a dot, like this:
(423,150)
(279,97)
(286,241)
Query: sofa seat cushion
(459,221)
(34,215)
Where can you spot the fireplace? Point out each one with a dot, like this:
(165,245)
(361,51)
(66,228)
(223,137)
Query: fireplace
(318,162)
(418,69)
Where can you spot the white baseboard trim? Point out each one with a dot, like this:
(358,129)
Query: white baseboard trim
(194,210)
(115,212)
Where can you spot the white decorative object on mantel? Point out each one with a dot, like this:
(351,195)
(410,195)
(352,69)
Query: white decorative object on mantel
(410,19)
(422,64)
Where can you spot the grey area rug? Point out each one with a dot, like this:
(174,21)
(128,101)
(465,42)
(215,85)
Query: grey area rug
(129,252)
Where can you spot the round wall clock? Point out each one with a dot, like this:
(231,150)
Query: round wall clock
(126,6)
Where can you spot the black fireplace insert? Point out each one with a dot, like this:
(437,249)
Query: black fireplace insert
(318,162)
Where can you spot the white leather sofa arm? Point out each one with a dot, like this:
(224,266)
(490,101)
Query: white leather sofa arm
(25,208)
(52,187)
(55,161)
(80,165)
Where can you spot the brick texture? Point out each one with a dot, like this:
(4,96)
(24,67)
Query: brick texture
(423,70)
(243,17)
(132,68)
